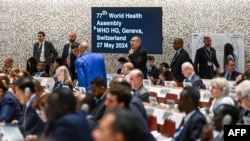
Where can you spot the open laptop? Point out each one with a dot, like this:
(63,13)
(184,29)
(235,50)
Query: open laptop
(11,133)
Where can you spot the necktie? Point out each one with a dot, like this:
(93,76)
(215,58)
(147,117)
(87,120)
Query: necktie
(38,74)
(175,56)
(149,70)
(40,47)
(228,76)
(134,92)
(97,101)
(69,48)
(178,132)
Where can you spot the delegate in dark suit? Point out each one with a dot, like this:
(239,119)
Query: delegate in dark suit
(41,74)
(193,122)
(138,55)
(10,109)
(231,76)
(30,123)
(67,47)
(230,73)
(50,52)
(139,60)
(192,128)
(72,127)
(176,63)
(66,52)
(100,108)
(153,72)
(206,61)
(138,108)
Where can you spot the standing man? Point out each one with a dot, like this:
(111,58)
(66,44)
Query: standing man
(67,47)
(88,66)
(205,59)
(71,60)
(44,51)
(138,55)
(180,57)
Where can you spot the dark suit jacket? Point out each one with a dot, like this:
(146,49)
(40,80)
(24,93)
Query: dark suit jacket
(50,52)
(196,81)
(175,65)
(154,72)
(10,108)
(65,52)
(193,127)
(100,108)
(72,68)
(139,60)
(72,127)
(233,75)
(201,60)
(30,123)
(137,107)
(43,74)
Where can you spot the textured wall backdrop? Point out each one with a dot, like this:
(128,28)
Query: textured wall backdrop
(20,20)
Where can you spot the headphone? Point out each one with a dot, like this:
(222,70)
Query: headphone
(227,119)
(27,91)
(85,107)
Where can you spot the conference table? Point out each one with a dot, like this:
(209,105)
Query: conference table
(205,94)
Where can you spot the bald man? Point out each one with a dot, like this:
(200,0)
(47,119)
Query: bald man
(188,72)
(67,47)
(205,60)
(88,66)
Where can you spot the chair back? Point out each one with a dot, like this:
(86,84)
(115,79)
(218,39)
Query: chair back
(152,123)
(168,128)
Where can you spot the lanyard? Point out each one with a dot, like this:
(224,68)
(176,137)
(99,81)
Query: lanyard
(208,55)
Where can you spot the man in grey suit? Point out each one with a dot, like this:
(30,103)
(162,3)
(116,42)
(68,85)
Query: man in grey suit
(188,72)
(44,51)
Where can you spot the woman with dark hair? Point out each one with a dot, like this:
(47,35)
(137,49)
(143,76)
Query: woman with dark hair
(163,66)
(31,65)
(165,75)
(56,63)
(230,54)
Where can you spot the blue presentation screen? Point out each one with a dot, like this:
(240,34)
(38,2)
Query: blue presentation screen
(112,28)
